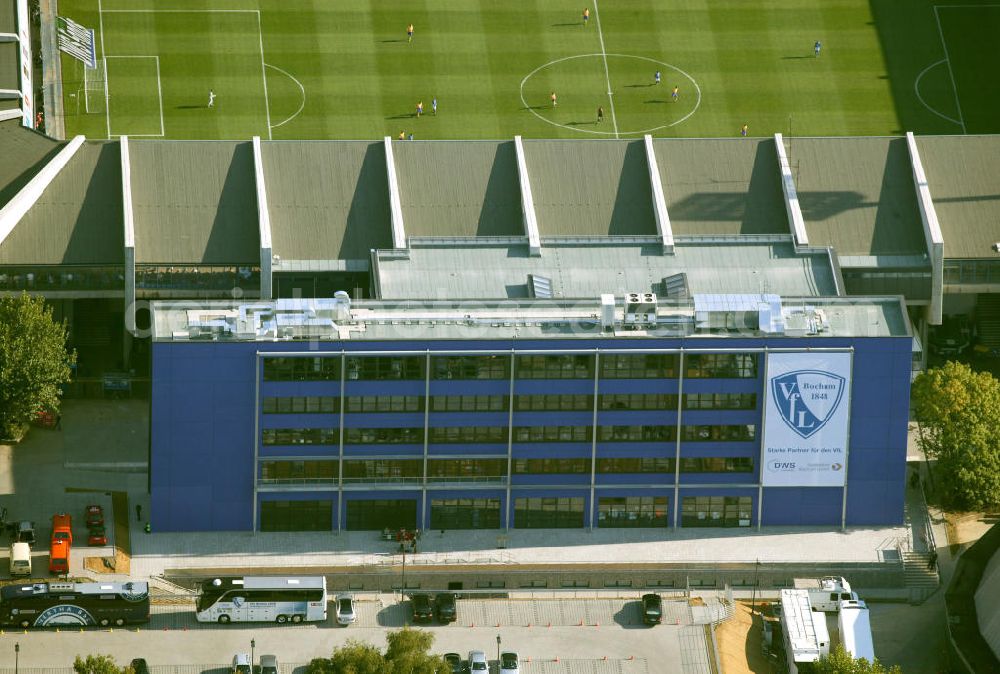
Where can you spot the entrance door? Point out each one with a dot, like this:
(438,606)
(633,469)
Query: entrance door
(392,514)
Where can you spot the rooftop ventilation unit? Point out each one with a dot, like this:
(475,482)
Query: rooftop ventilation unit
(676,287)
(640,310)
(607,312)
(539,287)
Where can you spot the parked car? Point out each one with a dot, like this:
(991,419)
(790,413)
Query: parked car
(455,661)
(139,666)
(652,609)
(423,610)
(268,664)
(477,662)
(22,532)
(94,516)
(97,536)
(445,607)
(59,557)
(241,664)
(509,663)
(345,610)
(62,528)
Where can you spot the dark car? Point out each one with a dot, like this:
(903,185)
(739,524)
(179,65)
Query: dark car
(423,611)
(652,609)
(444,606)
(22,532)
(139,666)
(454,660)
(94,515)
(97,536)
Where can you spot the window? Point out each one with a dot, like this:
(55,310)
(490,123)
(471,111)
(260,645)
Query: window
(445,470)
(302,368)
(631,511)
(717,464)
(296,516)
(737,433)
(720,401)
(297,472)
(354,404)
(721,365)
(638,365)
(556,402)
(715,511)
(547,466)
(552,433)
(300,405)
(561,366)
(474,403)
(383,470)
(548,513)
(383,436)
(638,464)
(471,367)
(637,433)
(381,368)
(465,513)
(638,401)
(461,434)
(300,436)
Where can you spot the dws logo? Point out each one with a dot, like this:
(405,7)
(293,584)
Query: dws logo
(806,399)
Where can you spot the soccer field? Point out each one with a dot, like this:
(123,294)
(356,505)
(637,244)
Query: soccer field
(298,69)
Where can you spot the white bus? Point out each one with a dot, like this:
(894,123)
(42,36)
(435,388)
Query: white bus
(279,599)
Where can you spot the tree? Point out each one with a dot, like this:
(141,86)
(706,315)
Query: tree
(33,361)
(959,413)
(357,657)
(97,664)
(840,662)
(407,653)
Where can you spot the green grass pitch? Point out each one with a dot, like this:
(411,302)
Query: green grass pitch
(301,69)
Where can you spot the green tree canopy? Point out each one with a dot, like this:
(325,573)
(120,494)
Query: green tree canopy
(959,413)
(97,664)
(33,361)
(407,653)
(840,662)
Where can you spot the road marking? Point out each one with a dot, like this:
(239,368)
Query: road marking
(607,76)
(947,59)
(302,105)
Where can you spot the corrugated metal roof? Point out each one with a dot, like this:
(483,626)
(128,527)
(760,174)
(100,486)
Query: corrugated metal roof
(590,187)
(8,12)
(8,66)
(23,154)
(194,202)
(78,218)
(963,173)
(461,188)
(857,194)
(492,272)
(327,200)
(728,186)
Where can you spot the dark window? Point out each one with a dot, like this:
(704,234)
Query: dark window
(715,511)
(300,436)
(552,433)
(471,403)
(562,366)
(355,404)
(721,365)
(720,401)
(638,365)
(298,472)
(383,470)
(300,405)
(461,434)
(302,368)
(465,513)
(548,513)
(379,514)
(471,367)
(736,433)
(383,436)
(632,511)
(635,464)
(544,466)
(638,401)
(296,516)
(380,368)
(717,464)
(554,402)
(636,433)
(466,469)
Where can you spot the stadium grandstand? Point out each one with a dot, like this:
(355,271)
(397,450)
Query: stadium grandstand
(16,63)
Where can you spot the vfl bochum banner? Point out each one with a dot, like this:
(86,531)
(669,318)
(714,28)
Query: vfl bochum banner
(76,41)
(807,419)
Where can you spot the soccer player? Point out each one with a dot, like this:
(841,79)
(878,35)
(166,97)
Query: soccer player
(586,16)
(656,77)
(434,105)
(744,130)
(402,135)
(817,47)
(553,97)
(420,108)
(600,114)
(211,98)
(409,33)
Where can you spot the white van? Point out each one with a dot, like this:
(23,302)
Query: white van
(20,559)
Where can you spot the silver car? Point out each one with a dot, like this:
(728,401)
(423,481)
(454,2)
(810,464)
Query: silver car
(268,664)
(477,663)
(345,610)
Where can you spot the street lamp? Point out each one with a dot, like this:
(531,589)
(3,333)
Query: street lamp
(253,645)
(498,648)
(17,649)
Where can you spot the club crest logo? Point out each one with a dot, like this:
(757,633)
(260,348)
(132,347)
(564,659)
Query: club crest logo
(806,399)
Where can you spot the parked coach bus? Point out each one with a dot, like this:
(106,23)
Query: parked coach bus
(55,604)
(279,599)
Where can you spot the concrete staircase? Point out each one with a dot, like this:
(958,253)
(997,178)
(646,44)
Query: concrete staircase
(988,320)
(921,581)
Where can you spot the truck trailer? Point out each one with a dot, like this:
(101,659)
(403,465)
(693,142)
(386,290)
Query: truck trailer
(855,629)
(825,594)
(804,631)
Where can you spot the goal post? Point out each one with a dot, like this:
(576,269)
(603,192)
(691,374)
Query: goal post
(94,94)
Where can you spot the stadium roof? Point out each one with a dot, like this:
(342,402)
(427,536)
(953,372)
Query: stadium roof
(22,154)
(590,187)
(9,76)
(963,173)
(326,200)
(8,12)
(194,202)
(461,188)
(721,187)
(580,270)
(77,220)
(857,194)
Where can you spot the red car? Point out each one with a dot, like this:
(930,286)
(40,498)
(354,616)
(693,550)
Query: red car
(95,516)
(97,536)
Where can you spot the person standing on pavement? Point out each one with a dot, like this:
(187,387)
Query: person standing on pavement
(138,512)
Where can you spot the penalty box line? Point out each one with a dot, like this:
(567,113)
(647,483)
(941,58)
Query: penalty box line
(159,92)
(260,42)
